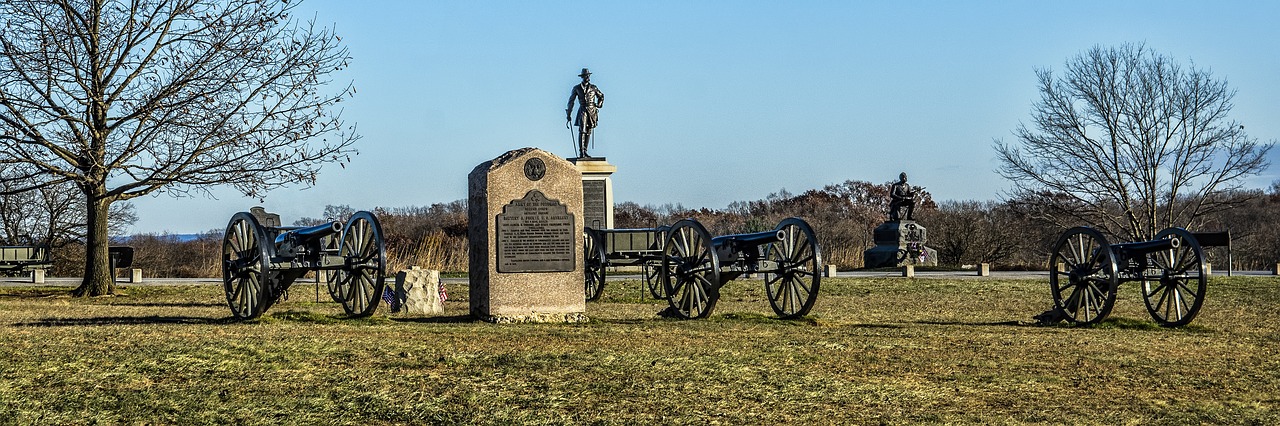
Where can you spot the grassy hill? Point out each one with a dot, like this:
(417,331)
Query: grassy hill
(874,351)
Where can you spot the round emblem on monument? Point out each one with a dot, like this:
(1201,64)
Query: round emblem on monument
(534,168)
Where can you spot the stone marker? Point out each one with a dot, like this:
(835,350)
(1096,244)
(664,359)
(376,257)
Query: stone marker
(909,271)
(1276,270)
(984,269)
(524,228)
(135,275)
(829,271)
(37,276)
(417,292)
(1208,269)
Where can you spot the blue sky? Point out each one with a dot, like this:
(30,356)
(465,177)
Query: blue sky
(712,102)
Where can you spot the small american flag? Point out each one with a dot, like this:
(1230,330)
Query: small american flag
(444,295)
(389,296)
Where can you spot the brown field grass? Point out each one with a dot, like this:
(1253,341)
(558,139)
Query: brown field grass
(874,351)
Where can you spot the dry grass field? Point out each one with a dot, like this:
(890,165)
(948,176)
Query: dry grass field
(875,351)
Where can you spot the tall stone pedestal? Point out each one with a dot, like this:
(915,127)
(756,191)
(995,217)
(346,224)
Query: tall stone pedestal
(597,191)
(900,243)
(525,233)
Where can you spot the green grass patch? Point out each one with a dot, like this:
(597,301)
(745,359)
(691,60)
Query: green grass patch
(878,351)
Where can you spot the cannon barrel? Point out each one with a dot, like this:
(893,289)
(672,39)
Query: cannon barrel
(1145,247)
(310,233)
(743,241)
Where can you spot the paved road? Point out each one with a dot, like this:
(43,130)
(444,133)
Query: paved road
(1008,275)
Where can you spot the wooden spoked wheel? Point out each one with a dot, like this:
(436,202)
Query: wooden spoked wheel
(593,258)
(650,271)
(1174,296)
(793,288)
(362,279)
(1082,276)
(245,266)
(690,271)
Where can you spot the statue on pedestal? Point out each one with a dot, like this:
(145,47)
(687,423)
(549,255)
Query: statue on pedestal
(901,194)
(590,100)
(901,240)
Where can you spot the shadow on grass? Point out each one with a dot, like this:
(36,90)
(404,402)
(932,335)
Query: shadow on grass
(452,319)
(981,324)
(767,319)
(152,319)
(170,304)
(891,326)
(1120,323)
(1113,323)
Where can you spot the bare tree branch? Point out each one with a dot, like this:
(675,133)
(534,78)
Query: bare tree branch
(124,98)
(1131,142)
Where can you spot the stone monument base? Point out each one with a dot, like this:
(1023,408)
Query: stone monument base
(899,243)
(537,317)
(894,256)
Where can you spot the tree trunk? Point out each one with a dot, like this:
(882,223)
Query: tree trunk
(99,278)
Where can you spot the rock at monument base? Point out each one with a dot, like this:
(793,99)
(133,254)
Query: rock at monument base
(525,234)
(900,243)
(417,292)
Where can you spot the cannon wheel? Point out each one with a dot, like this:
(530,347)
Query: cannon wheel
(690,271)
(1084,287)
(246,266)
(793,289)
(1173,299)
(651,271)
(593,263)
(363,278)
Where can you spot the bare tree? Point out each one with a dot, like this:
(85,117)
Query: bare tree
(53,215)
(972,232)
(1130,141)
(127,98)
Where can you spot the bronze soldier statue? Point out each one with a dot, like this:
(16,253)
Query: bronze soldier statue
(902,195)
(590,99)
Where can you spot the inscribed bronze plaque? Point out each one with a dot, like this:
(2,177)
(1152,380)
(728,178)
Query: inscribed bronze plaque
(594,203)
(536,234)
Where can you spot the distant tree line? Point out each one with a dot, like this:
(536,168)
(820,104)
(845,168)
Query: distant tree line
(1010,234)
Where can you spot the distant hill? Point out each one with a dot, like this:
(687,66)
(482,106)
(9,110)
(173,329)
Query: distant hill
(181,238)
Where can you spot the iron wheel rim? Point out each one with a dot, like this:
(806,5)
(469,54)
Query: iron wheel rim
(1087,279)
(799,258)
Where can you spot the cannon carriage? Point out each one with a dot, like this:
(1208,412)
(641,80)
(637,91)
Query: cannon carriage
(1087,272)
(695,265)
(260,262)
(622,247)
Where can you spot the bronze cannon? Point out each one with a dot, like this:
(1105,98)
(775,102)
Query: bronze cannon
(1087,271)
(695,265)
(260,262)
